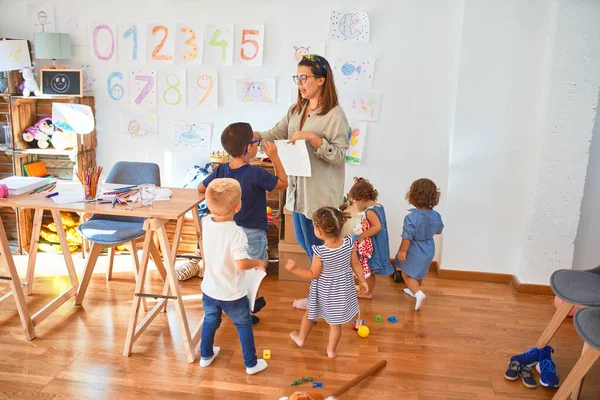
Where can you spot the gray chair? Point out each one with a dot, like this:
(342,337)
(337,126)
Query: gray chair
(114,230)
(587,323)
(575,288)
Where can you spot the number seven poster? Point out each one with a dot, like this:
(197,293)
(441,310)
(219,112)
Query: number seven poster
(219,45)
(250,41)
(142,84)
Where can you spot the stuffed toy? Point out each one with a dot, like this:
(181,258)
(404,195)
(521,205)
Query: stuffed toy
(364,248)
(62,140)
(39,134)
(29,83)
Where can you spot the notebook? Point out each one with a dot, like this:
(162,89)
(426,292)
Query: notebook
(22,184)
(37,168)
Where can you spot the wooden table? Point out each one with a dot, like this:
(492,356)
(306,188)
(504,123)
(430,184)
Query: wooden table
(182,201)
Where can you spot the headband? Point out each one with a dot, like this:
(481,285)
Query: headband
(318,62)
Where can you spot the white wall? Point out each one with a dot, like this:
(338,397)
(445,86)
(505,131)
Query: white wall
(498,98)
(587,248)
(416,45)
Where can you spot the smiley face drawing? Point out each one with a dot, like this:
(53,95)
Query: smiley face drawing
(43,18)
(257,92)
(60,83)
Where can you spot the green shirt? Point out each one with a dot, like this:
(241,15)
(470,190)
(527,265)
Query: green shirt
(326,185)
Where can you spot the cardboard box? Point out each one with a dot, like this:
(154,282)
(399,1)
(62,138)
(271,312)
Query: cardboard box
(294,252)
(289,236)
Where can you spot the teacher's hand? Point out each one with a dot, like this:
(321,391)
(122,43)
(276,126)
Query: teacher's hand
(310,137)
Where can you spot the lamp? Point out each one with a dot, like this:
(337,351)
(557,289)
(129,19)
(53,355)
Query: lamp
(52,46)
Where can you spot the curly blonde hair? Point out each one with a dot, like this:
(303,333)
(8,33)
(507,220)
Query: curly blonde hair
(423,193)
(330,220)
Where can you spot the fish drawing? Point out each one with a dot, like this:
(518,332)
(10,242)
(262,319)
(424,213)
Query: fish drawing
(348,69)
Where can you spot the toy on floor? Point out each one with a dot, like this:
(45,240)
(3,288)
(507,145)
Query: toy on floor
(317,384)
(363,331)
(378,318)
(338,392)
(266,354)
(357,324)
(393,319)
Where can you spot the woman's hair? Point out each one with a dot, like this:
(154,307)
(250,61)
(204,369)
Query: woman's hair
(330,220)
(320,69)
(423,193)
(362,190)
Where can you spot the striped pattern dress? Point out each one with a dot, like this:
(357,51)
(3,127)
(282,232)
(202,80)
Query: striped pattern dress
(332,295)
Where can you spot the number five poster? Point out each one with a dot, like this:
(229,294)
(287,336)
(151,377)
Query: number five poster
(219,45)
(250,41)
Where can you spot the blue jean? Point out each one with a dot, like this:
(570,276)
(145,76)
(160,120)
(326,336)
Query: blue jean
(305,233)
(257,243)
(239,312)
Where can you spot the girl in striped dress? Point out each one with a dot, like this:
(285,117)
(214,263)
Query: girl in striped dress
(332,294)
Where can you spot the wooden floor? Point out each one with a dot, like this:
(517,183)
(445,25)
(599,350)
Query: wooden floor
(457,347)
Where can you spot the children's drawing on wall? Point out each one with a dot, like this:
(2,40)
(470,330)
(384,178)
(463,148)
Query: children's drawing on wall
(142,83)
(14,55)
(293,51)
(71,18)
(132,42)
(363,105)
(117,86)
(249,48)
(255,91)
(349,26)
(187,134)
(189,43)
(218,46)
(172,86)
(356,137)
(354,71)
(204,90)
(138,125)
(41,16)
(160,43)
(103,42)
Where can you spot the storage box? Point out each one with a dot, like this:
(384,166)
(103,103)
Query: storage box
(293,252)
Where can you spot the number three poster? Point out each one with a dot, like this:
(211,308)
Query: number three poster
(219,45)
(250,41)
(189,44)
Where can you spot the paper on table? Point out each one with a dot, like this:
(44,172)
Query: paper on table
(251,281)
(294,157)
(68,192)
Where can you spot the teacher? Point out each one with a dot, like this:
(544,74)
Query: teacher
(318,119)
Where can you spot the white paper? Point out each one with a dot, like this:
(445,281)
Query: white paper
(189,44)
(204,90)
(349,26)
(248,91)
(294,157)
(138,125)
(160,43)
(14,55)
(132,42)
(103,42)
(356,137)
(191,135)
(218,49)
(364,105)
(76,118)
(293,51)
(172,88)
(250,281)
(116,86)
(41,16)
(142,84)
(354,71)
(68,192)
(21,184)
(250,44)
(71,18)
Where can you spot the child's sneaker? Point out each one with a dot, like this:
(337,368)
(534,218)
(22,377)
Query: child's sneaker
(512,373)
(527,377)
(547,369)
(529,358)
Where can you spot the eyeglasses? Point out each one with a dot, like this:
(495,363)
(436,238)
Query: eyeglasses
(302,78)
(251,143)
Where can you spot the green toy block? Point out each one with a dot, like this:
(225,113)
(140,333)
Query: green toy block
(378,318)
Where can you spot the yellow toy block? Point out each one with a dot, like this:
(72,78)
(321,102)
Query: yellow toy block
(266,354)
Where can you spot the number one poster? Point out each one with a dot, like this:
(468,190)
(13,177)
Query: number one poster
(142,83)
(356,137)
(132,42)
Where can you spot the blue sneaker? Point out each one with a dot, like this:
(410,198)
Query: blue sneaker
(529,358)
(527,376)
(547,369)
(512,373)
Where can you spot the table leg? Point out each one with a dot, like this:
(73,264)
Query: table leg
(62,237)
(33,249)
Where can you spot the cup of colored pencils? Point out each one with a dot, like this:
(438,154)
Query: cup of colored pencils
(89,180)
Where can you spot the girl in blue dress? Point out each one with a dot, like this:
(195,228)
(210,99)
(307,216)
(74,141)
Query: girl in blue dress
(364,197)
(418,248)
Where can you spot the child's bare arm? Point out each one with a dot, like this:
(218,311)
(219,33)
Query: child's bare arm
(375,226)
(403,249)
(312,273)
(270,150)
(201,188)
(364,286)
(249,263)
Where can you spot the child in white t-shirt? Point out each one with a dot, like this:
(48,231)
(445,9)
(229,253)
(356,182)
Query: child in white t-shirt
(226,259)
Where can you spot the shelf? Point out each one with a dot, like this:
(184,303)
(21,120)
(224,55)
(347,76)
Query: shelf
(49,152)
